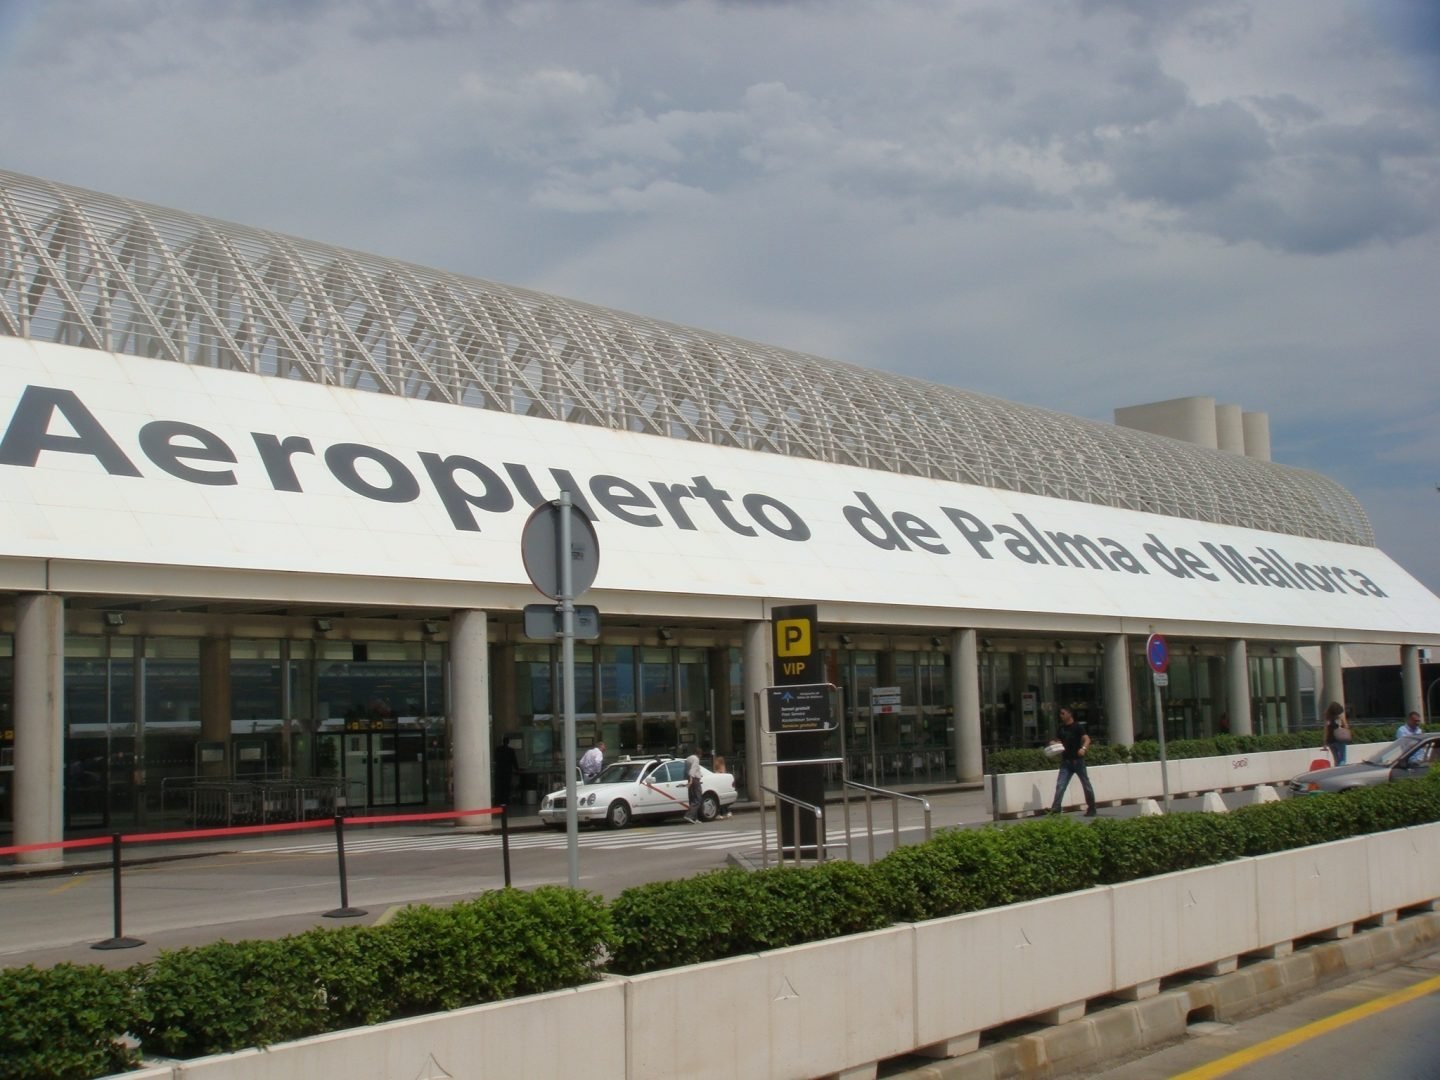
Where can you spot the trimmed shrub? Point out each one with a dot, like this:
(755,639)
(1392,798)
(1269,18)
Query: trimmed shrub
(64,1022)
(1144,846)
(210,999)
(499,945)
(970,869)
(731,912)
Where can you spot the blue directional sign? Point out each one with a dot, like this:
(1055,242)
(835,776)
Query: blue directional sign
(1157,653)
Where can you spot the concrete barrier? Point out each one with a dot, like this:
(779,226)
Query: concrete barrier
(578,1032)
(1018,794)
(827,1007)
(1194,919)
(1316,890)
(836,1008)
(987,968)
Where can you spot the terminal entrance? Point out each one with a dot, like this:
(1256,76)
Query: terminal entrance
(382,768)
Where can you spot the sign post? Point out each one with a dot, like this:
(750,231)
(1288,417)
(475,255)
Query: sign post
(562,555)
(1157,655)
(799,671)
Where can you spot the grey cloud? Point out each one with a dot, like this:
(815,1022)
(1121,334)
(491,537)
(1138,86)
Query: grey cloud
(1202,155)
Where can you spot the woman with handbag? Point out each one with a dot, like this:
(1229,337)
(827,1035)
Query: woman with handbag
(1337,731)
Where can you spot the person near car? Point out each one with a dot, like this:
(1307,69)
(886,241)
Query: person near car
(592,761)
(1410,727)
(692,775)
(1337,731)
(1075,740)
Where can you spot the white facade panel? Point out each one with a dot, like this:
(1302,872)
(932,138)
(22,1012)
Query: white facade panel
(278,475)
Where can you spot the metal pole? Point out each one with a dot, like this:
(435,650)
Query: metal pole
(344,911)
(567,666)
(118,940)
(505,841)
(1160,728)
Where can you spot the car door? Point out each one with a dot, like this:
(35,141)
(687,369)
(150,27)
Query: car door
(666,791)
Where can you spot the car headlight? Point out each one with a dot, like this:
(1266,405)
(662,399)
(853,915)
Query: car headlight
(589,800)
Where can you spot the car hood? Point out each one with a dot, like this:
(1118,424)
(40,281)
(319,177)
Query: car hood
(1361,773)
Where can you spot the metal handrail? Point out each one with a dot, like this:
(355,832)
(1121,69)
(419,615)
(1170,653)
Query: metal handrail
(894,797)
(798,804)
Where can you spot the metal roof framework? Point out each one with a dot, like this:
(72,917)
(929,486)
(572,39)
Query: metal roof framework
(93,270)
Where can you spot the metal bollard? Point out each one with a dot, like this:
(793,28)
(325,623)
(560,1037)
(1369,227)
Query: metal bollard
(344,911)
(119,941)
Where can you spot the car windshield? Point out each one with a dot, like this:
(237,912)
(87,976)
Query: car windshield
(1392,754)
(621,772)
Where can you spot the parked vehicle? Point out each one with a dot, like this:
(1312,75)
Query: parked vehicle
(653,788)
(1404,759)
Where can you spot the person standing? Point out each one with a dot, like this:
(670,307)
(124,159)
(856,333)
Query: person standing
(696,787)
(1337,731)
(592,761)
(1075,740)
(507,764)
(1410,727)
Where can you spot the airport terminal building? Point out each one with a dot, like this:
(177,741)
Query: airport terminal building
(264,503)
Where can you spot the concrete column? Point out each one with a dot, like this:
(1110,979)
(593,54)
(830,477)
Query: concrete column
(1292,694)
(755,677)
(470,713)
(1332,678)
(1237,684)
(1410,682)
(1118,709)
(215,702)
(39,791)
(967,743)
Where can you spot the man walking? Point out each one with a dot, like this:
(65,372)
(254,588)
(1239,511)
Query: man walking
(1410,727)
(1076,741)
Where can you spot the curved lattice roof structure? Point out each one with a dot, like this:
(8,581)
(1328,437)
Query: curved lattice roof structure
(102,272)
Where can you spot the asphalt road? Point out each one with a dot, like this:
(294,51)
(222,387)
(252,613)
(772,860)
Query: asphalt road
(268,886)
(1382,1026)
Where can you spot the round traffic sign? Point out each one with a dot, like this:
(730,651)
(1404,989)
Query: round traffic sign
(1157,653)
(540,547)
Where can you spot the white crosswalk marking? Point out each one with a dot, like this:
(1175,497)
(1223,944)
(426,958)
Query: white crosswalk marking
(653,839)
(642,838)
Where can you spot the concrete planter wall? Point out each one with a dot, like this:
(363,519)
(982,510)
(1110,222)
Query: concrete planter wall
(835,1008)
(1017,794)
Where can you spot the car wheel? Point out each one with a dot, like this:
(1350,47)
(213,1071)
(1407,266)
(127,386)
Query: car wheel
(619,814)
(709,807)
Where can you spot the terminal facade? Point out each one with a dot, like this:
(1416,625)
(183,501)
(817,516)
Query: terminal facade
(265,499)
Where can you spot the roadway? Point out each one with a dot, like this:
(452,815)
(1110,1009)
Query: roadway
(1384,1024)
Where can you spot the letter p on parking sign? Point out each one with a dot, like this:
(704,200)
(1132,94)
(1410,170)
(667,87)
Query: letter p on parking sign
(792,637)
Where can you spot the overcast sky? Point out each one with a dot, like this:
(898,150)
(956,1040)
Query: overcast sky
(1078,204)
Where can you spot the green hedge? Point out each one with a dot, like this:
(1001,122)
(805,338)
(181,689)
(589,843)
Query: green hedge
(1033,760)
(71,1021)
(65,1021)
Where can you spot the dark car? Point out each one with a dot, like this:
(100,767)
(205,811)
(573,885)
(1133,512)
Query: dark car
(1404,759)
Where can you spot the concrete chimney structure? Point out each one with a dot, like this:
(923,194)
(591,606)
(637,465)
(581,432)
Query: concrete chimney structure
(1199,420)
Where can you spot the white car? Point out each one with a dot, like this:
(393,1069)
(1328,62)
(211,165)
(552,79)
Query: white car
(651,787)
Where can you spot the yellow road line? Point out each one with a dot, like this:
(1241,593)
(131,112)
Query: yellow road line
(79,879)
(1260,1051)
(388,914)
